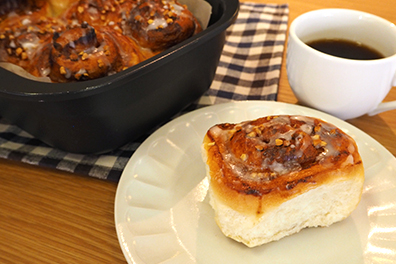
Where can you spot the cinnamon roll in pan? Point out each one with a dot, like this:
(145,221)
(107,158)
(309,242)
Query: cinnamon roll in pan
(102,114)
(24,38)
(271,177)
(84,53)
(95,35)
(158,25)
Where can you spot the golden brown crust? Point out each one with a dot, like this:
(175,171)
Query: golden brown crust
(260,164)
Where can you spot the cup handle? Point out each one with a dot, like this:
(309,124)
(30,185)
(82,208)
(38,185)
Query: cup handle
(382,107)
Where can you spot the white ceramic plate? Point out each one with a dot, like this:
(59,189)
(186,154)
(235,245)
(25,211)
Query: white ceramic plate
(162,213)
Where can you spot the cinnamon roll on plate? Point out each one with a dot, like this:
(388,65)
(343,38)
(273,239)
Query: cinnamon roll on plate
(271,177)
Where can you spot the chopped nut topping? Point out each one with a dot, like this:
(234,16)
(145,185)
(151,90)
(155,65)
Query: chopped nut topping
(251,134)
(18,51)
(100,63)
(24,56)
(278,142)
(103,17)
(211,144)
(323,143)
(106,50)
(62,70)
(315,137)
(2,36)
(169,20)
(244,157)
(316,142)
(150,21)
(257,130)
(80,9)
(84,56)
(259,147)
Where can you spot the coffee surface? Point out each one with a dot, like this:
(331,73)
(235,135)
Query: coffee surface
(345,49)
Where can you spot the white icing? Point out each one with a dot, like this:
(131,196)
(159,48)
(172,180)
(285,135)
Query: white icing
(177,9)
(288,135)
(158,23)
(72,44)
(31,43)
(26,22)
(306,128)
(93,10)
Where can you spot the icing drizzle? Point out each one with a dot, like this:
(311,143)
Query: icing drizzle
(267,148)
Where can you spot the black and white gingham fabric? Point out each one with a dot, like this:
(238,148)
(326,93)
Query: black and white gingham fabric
(249,69)
(250,64)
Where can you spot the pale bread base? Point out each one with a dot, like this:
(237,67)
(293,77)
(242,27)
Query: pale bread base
(322,206)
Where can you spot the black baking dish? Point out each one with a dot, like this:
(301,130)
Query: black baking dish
(103,114)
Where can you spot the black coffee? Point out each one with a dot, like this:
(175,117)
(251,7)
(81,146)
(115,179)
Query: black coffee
(345,49)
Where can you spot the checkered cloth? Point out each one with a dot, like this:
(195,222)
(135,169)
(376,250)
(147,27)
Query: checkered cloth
(249,69)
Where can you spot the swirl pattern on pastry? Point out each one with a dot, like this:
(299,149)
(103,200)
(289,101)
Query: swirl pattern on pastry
(276,153)
(84,53)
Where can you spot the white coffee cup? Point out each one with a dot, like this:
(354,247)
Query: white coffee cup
(346,88)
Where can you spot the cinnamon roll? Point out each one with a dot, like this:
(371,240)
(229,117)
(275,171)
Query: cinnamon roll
(23,38)
(271,177)
(160,24)
(84,53)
